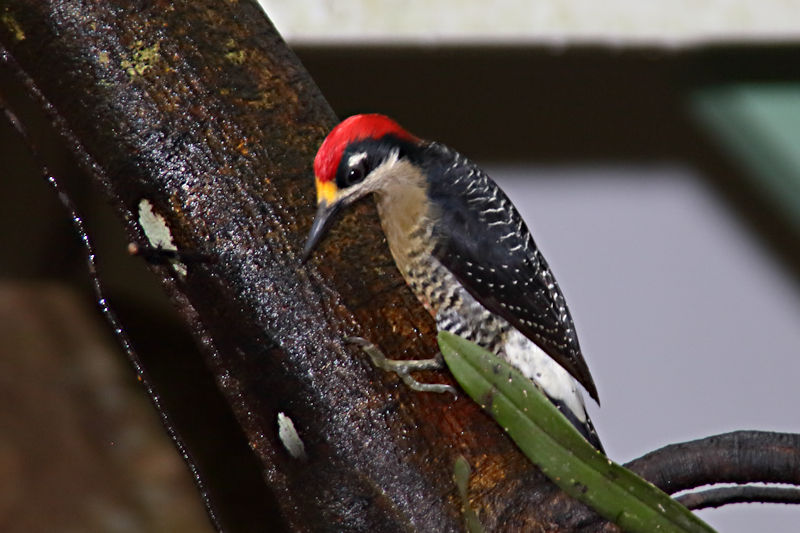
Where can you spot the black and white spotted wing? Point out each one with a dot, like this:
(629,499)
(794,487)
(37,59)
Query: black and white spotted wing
(481,238)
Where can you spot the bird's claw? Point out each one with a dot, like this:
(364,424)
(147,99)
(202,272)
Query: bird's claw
(404,366)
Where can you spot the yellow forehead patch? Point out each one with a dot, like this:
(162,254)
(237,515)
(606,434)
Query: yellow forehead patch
(326,191)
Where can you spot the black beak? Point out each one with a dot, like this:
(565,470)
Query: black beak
(326,215)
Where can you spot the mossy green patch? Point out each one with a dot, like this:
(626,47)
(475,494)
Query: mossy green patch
(143,58)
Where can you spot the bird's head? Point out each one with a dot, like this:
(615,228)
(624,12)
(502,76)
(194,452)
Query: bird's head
(352,162)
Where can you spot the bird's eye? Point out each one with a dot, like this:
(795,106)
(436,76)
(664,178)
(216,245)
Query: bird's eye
(356,173)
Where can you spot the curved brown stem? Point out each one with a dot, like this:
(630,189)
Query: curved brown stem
(748,494)
(737,457)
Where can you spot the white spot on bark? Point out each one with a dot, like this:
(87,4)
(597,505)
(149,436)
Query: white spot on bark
(289,437)
(157,232)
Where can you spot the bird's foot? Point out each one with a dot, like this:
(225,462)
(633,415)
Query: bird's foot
(404,366)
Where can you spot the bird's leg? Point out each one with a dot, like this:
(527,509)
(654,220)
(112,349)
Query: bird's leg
(403,367)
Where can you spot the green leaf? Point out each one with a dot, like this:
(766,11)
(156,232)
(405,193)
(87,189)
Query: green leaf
(554,445)
(461,473)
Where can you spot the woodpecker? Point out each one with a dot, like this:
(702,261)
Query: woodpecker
(463,249)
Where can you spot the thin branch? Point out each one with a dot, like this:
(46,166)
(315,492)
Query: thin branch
(747,494)
(737,457)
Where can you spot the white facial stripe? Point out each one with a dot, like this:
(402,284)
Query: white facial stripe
(355,159)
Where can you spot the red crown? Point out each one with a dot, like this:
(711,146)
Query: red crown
(352,129)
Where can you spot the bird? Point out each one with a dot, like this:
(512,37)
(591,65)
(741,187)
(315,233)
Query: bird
(463,249)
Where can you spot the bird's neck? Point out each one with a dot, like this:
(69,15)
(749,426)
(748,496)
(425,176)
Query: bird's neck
(403,209)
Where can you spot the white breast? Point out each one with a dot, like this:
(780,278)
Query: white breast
(539,367)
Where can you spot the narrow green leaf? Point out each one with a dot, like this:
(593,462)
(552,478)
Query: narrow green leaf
(461,473)
(555,446)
